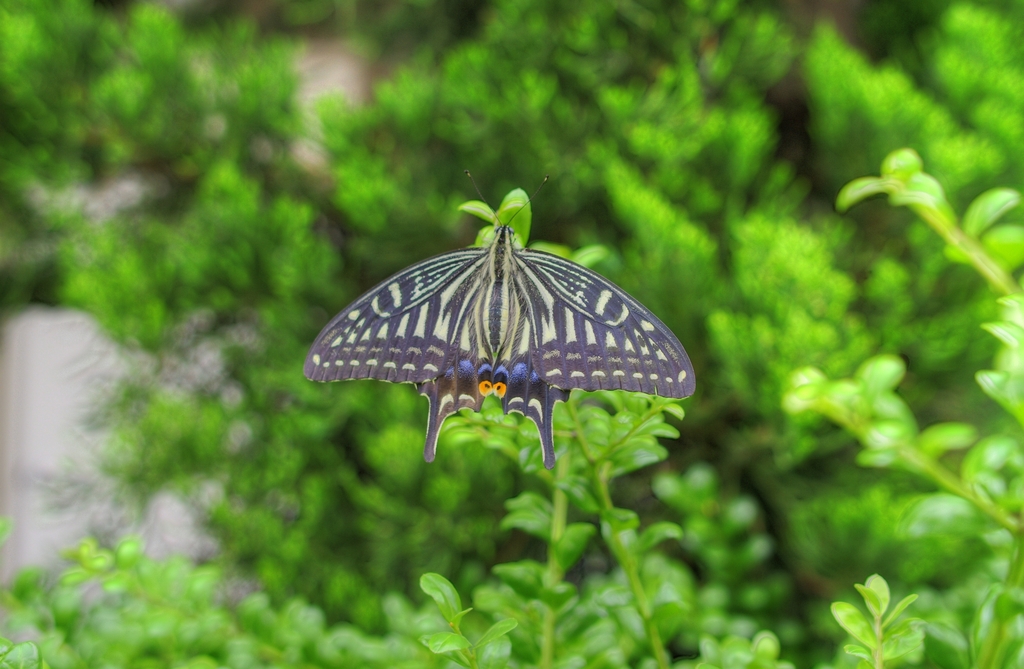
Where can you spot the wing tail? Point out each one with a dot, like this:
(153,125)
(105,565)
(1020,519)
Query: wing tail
(458,388)
(531,396)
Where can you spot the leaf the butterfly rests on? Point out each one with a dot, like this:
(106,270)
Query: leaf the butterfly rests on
(521,324)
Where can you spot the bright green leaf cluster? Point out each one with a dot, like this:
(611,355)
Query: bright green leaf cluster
(491,650)
(24,655)
(883,641)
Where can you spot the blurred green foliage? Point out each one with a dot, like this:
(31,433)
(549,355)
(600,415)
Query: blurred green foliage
(695,150)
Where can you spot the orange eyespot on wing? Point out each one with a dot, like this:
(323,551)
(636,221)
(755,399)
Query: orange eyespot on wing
(486,387)
(499,389)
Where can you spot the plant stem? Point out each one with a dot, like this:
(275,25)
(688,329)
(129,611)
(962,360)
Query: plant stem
(993,648)
(879,653)
(997,277)
(555,573)
(1015,576)
(629,565)
(468,654)
(947,480)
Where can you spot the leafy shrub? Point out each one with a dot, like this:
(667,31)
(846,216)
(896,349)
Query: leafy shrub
(660,126)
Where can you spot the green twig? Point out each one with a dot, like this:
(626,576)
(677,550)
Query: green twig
(948,229)
(951,483)
(629,565)
(554,574)
(600,471)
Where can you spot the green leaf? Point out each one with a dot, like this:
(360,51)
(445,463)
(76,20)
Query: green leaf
(560,250)
(128,552)
(878,458)
(941,514)
(1010,334)
(946,646)
(923,191)
(861,189)
(557,595)
(995,386)
(902,639)
(22,656)
(516,209)
(655,534)
(572,544)
(620,520)
(495,655)
(675,410)
(443,592)
(5,646)
(591,255)
(898,609)
(858,651)
(5,529)
(870,598)
(497,630)
(988,456)
(884,434)
(457,657)
(988,208)
(766,645)
(882,373)
(443,642)
(484,236)
(478,209)
(577,489)
(710,651)
(878,586)
(460,615)
(902,164)
(75,576)
(854,622)
(943,437)
(1006,244)
(525,577)
(1009,604)
(529,512)
(635,454)
(956,254)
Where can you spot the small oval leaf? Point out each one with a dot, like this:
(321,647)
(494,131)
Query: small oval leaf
(854,622)
(902,164)
(883,372)
(1006,244)
(861,189)
(988,208)
(515,210)
(443,642)
(444,593)
(878,585)
(943,437)
(496,631)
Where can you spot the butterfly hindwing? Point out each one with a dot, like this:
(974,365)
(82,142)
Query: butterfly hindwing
(401,329)
(590,334)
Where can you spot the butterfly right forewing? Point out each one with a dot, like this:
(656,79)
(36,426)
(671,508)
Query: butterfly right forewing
(591,335)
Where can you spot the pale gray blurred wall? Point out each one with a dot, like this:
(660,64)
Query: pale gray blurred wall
(55,365)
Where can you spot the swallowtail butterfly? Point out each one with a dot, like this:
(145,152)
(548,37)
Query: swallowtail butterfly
(521,324)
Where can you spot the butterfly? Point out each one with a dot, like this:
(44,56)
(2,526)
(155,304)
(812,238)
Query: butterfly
(523,325)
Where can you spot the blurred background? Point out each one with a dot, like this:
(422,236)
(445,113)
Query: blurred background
(189,189)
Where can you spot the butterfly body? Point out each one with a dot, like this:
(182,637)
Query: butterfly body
(523,325)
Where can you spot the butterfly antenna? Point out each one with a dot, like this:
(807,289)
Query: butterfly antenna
(528,201)
(482,198)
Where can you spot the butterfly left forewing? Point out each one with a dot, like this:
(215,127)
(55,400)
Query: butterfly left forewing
(399,330)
